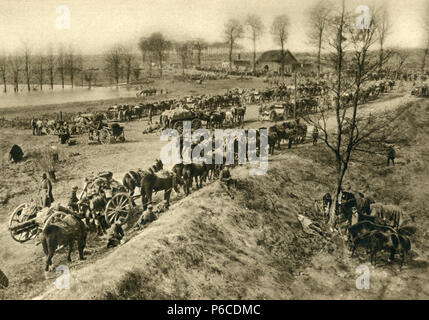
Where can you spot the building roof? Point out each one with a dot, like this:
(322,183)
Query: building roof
(275,56)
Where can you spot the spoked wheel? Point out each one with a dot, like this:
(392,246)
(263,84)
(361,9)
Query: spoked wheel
(196,124)
(179,126)
(18,217)
(54,218)
(104,137)
(119,206)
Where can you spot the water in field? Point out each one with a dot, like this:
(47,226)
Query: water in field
(59,95)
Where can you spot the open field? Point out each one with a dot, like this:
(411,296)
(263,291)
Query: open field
(175,89)
(209,245)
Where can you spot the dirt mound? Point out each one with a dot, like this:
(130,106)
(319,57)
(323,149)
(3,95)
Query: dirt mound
(209,246)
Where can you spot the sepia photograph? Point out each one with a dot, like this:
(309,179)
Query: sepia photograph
(190,150)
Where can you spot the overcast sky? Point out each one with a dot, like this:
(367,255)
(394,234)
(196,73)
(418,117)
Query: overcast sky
(97,24)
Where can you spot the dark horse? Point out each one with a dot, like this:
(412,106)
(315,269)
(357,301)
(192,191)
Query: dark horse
(156,182)
(349,200)
(132,179)
(194,171)
(70,230)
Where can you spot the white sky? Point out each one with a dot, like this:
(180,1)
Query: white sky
(97,24)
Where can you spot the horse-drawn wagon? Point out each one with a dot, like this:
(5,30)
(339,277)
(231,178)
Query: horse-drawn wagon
(28,220)
(173,119)
(102,196)
(273,112)
(107,133)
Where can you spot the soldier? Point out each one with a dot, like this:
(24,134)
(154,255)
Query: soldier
(226,180)
(33,126)
(46,191)
(147,217)
(391,154)
(116,233)
(315,135)
(150,114)
(73,200)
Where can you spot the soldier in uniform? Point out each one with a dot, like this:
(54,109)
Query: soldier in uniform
(391,154)
(46,191)
(73,200)
(33,126)
(315,135)
(147,217)
(150,112)
(226,180)
(115,233)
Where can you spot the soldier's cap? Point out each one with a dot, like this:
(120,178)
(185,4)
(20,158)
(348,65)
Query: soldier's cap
(150,206)
(75,188)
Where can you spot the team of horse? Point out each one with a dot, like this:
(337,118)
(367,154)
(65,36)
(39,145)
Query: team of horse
(373,226)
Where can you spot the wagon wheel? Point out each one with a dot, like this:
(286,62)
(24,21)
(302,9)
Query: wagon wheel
(178,125)
(16,218)
(196,124)
(118,206)
(104,136)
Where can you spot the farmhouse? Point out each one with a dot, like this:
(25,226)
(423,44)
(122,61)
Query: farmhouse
(270,61)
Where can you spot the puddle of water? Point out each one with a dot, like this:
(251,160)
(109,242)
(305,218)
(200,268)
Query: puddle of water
(59,95)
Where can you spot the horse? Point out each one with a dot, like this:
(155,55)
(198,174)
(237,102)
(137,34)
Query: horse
(132,178)
(156,182)
(194,170)
(216,119)
(66,232)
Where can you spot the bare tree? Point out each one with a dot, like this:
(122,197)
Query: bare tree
(318,16)
(40,70)
(233,31)
(184,51)
(159,47)
(15,68)
(128,60)
(90,76)
(147,56)
(27,63)
(383,28)
(4,70)
(61,64)
(199,45)
(136,73)
(113,63)
(256,29)
(279,30)
(354,62)
(50,66)
(71,64)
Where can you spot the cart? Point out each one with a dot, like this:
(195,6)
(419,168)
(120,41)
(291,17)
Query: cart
(28,220)
(119,203)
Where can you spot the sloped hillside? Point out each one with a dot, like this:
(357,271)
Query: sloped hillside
(209,246)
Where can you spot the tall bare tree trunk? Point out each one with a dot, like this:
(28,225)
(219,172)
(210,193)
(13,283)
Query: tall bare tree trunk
(230,55)
(319,51)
